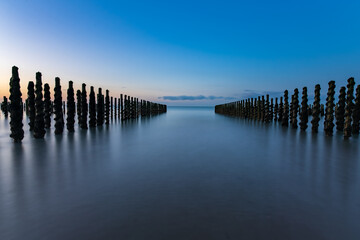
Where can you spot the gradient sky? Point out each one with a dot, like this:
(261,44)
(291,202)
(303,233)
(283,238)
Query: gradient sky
(181,52)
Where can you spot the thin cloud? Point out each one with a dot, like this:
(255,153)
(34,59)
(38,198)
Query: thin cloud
(194,98)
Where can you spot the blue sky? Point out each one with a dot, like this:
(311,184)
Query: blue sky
(182,52)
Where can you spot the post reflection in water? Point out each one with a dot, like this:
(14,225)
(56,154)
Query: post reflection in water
(186,174)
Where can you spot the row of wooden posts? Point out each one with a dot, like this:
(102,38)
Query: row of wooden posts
(346,111)
(39,107)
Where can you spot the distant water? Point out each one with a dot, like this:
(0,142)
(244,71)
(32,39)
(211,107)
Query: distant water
(187,174)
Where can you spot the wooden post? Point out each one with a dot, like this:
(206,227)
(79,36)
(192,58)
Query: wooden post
(316,110)
(70,120)
(349,108)
(59,120)
(31,104)
(16,111)
(340,111)
(92,108)
(304,111)
(329,115)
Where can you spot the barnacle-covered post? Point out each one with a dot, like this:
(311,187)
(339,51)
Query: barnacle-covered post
(276,109)
(31,104)
(39,125)
(70,119)
(100,108)
(281,110)
(349,108)
(267,107)
(92,108)
(304,110)
(285,116)
(356,112)
(295,108)
(4,107)
(122,107)
(329,111)
(59,120)
(47,106)
(16,110)
(111,107)
(115,107)
(107,108)
(316,110)
(340,110)
(84,107)
(78,106)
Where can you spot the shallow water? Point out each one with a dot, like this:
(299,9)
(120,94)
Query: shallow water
(186,174)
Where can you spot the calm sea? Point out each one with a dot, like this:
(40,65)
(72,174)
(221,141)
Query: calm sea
(186,174)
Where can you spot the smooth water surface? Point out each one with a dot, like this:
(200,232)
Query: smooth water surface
(186,174)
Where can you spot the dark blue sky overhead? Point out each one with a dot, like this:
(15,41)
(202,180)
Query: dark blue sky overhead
(154,49)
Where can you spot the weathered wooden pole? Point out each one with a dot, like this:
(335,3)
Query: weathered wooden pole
(281,110)
(122,107)
(266,112)
(285,116)
(271,110)
(349,108)
(291,109)
(115,108)
(329,115)
(59,120)
(47,106)
(100,108)
(356,112)
(340,111)
(92,108)
(316,110)
(84,108)
(4,107)
(111,107)
(31,105)
(295,108)
(304,110)
(125,107)
(39,124)
(16,111)
(262,108)
(107,108)
(276,110)
(78,106)
(70,120)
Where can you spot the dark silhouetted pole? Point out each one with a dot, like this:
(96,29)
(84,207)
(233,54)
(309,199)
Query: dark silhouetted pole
(84,107)
(16,110)
(70,120)
(31,105)
(59,121)
(39,125)
(295,108)
(78,106)
(304,110)
(107,108)
(316,110)
(47,106)
(329,111)
(340,110)
(100,108)
(92,108)
(349,108)
(356,112)
(285,116)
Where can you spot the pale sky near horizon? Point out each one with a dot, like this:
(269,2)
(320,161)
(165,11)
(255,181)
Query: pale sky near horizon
(181,52)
